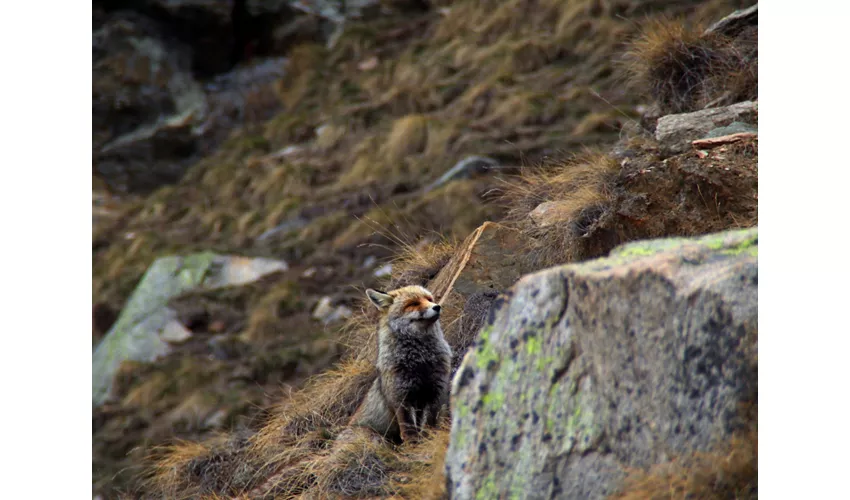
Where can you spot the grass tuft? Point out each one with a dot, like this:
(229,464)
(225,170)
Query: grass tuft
(731,472)
(559,206)
(683,69)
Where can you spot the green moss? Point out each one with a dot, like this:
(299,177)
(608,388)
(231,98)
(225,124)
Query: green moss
(486,352)
(494,399)
(636,251)
(459,438)
(732,243)
(463,410)
(484,334)
(488,488)
(519,487)
(194,268)
(544,362)
(748,246)
(533,346)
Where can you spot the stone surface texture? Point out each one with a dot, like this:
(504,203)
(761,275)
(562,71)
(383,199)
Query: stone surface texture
(147,325)
(675,132)
(584,370)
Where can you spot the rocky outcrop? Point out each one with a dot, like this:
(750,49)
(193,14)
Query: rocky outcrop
(147,326)
(736,22)
(336,12)
(675,132)
(585,370)
(463,170)
(144,101)
(152,115)
(171,79)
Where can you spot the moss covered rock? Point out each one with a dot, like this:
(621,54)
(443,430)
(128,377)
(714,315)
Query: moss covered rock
(586,370)
(147,325)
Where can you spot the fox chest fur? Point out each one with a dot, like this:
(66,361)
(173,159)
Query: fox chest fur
(414,366)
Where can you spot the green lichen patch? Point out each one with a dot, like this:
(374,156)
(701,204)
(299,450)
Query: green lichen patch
(516,408)
(730,243)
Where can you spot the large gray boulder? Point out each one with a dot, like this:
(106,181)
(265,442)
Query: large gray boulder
(585,370)
(147,327)
(736,22)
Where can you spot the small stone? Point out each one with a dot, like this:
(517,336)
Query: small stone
(241,270)
(174,332)
(675,132)
(287,151)
(384,270)
(464,169)
(735,22)
(551,212)
(327,313)
(323,308)
(216,420)
(368,64)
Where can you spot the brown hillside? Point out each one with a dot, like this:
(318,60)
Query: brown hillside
(255,404)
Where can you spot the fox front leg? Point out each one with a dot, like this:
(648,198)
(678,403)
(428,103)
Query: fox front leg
(403,423)
(407,423)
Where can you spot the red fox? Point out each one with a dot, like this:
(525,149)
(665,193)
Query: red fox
(414,365)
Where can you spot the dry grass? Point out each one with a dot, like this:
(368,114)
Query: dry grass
(583,208)
(418,264)
(272,314)
(358,464)
(409,136)
(188,470)
(684,69)
(576,193)
(508,87)
(440,91)
(731,472)
(305,444)
(427,467)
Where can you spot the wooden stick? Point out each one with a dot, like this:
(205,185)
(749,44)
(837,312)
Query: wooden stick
(712,142)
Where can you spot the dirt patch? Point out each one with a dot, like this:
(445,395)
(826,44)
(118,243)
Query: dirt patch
(584,208)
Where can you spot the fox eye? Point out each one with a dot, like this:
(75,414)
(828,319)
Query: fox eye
(412,304)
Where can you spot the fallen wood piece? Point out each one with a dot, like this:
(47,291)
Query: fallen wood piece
(724,139)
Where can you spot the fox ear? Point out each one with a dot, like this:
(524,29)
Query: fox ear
(380,299)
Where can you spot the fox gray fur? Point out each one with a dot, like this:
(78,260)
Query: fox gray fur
(414,365)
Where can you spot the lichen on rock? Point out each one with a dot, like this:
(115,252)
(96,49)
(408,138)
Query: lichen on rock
(586,370)
(146,324)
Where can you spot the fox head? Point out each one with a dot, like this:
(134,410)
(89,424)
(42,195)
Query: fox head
(408,306)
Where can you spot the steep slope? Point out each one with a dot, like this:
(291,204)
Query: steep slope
(345,178)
